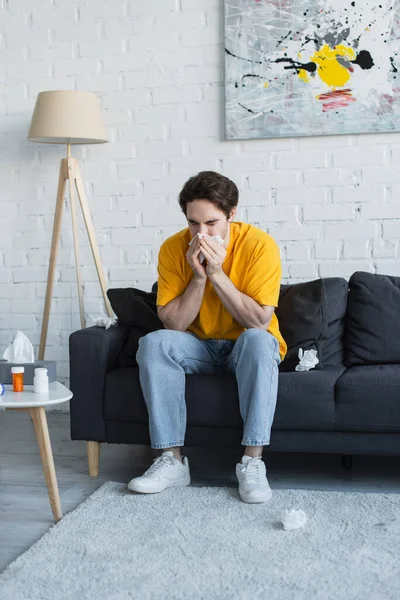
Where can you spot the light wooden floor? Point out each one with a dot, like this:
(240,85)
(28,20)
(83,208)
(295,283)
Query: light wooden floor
(25,513)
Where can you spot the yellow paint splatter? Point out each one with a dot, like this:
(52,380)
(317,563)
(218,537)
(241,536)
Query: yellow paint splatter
(303,75)
(367,29)
(300,55)
(266,84)
(329,68)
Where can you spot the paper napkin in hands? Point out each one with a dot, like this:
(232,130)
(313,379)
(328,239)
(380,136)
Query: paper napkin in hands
(217,238)
(308,360)
(20,351)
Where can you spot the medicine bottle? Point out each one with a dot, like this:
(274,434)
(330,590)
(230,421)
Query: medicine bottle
(18,378)
(40,381)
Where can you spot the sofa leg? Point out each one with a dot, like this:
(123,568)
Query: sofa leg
(93,453)
(347,461)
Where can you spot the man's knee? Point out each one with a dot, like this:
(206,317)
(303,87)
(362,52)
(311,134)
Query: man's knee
(257,340)
(151,342)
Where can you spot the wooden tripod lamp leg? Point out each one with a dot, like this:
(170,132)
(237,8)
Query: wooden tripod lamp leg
(92,237)
(53,255)
(71,178)
(42,435)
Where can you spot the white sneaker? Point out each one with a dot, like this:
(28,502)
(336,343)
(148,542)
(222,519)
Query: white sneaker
(253,482)
(166,471)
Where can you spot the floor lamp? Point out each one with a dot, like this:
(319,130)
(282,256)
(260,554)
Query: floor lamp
(68,117)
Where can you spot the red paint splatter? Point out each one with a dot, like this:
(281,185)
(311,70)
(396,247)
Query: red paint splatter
(387,101)
(336,99)
(391,99)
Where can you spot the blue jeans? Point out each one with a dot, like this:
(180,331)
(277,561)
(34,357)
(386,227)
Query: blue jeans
(166,356)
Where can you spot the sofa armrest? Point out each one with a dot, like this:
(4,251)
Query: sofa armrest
(92,353)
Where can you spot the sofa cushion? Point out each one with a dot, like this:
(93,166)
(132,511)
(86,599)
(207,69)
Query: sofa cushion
(123,398)
(368,399)
(306,400)
(311,315)
(137,314)
(211,398)
(372,329)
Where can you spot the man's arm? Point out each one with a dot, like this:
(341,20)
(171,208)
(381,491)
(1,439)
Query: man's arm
(244,309)
(182,311)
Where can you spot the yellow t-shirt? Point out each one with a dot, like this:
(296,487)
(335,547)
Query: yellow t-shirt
(253,265)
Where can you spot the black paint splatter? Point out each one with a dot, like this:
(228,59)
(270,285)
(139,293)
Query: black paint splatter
(284,38)
(251,75)
(297,66)
(257,62)
(394,68)
(317,42)
(248,109)
(247,76)
(364,60)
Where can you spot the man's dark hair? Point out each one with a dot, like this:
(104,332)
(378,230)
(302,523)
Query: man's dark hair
(211,186)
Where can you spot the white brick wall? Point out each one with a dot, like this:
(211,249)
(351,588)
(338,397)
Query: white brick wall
(157,65)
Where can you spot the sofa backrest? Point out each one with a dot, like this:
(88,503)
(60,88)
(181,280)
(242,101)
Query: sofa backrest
(372,328)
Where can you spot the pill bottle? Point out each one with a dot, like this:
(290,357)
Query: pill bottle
(18,378)
(40,381)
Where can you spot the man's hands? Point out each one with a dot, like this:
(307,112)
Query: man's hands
(192,256)
(214,254)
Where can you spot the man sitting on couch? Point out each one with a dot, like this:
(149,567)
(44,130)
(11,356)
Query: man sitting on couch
(216,301)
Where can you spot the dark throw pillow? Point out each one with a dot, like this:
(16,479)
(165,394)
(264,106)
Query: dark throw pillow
(136,311)
(302,321)
(311,315)
(372,334)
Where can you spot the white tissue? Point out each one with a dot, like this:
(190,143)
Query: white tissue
(103,321)
(293,519)
(217,238)
(20,351)
(308,360)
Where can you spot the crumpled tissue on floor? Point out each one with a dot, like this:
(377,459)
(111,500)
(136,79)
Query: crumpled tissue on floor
(293,519)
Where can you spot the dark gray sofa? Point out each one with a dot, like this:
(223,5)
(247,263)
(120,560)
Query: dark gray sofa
(349,405)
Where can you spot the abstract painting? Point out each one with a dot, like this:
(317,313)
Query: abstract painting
(311,67)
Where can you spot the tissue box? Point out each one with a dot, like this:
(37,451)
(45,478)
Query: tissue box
(5,370)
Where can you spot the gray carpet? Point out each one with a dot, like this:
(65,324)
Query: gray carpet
(205,543)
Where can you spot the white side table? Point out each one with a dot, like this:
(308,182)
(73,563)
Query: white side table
(35,404)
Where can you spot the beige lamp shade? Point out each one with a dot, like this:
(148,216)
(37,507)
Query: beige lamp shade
(67,117)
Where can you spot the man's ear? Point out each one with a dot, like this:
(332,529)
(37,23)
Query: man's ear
(232,214)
